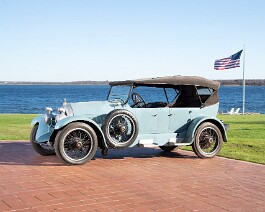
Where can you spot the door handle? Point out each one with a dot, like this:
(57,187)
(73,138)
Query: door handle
(154,115)
(170,114)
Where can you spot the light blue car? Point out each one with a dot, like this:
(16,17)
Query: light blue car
(168,112)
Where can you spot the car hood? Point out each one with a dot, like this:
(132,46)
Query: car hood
(91,109)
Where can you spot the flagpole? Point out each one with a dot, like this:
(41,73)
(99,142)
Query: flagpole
(244,83)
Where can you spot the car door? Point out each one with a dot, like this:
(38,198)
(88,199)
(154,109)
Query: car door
(185,109)
(179,119)
(153,116)
(152,120)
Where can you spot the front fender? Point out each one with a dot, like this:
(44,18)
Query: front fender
(87,120)
(44,130)
(37,119)
(197,121)
(69,119)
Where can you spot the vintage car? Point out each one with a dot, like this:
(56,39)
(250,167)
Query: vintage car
(166,111)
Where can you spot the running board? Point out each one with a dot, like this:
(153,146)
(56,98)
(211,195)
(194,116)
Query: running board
(147,143)
(171,142)
(177,142)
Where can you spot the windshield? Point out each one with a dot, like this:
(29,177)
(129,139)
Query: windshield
(119,92)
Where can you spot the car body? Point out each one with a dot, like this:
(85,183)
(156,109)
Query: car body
(165,111)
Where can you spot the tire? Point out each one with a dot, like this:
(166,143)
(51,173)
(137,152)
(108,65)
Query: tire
(207,137)
(168,148)
(76,143)
(43,149)
(120,129)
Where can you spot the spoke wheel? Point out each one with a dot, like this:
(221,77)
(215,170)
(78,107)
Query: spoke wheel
(44,149)
(120,129)
(76,143)
(208,140)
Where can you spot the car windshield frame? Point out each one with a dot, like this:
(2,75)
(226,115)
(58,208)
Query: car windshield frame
(117,96)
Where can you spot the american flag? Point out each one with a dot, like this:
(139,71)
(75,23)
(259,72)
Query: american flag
(229,62)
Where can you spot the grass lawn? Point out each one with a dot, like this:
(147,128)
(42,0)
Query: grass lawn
(15,126)
(246,137)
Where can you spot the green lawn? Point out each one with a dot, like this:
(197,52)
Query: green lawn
(246,137)
(15,126)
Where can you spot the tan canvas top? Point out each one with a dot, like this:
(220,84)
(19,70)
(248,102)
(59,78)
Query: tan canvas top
(171,80)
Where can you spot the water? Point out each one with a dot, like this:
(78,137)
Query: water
(231,97)
(33,98)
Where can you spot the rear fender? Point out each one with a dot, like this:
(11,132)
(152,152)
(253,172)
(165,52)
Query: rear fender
(70,119)
(198,121)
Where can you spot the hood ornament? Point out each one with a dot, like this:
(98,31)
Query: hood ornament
(64,101)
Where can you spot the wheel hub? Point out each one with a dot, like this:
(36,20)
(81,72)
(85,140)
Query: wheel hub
(78,144)
(210,140)
(122,128)
(207,142)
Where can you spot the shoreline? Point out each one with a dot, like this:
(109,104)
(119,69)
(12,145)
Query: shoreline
(236,82)
(99,84)
(56,83)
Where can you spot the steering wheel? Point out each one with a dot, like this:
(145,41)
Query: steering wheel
(138,100)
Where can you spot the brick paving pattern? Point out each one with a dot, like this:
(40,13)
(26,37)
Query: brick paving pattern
(137,179)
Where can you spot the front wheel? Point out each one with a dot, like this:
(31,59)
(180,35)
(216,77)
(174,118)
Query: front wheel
(43,149)
(208,140)
(76,143)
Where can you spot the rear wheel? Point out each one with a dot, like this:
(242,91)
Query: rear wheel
(168,148)
(76,143)
(208,140)
(43,149)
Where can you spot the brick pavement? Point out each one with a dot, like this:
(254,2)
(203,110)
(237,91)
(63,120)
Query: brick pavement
(138,179)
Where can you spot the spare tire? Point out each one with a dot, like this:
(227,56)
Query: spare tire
(120,129)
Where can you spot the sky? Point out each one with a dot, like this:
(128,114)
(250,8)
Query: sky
(76,40)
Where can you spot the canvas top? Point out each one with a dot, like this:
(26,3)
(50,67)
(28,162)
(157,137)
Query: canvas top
(171,80)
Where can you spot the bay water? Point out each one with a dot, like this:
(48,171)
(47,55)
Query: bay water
(32,99)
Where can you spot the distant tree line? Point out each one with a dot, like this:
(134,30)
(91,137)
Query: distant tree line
(236,82)
(55,83)
(253,82)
